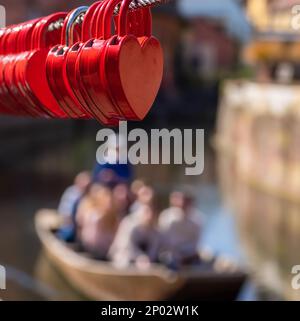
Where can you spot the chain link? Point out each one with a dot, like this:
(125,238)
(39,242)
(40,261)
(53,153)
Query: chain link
(135,4)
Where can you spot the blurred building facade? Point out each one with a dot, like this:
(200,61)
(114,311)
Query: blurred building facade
(276,41)
(271,15)
(258,146)
(201,47)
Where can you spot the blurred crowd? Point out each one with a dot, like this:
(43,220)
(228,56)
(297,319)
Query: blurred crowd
(112,217)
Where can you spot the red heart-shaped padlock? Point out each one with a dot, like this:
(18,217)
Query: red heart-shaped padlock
(72,69)
(56,68)
(92,58)
(134,69)
(35,84)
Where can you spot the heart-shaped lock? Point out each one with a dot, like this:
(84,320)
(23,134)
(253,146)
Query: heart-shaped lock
(92,58)
(134,69)
(10,86)
(7,62)
(25,45)
(34,84)
(25,39)
(89,74)
(11,41)
(5,48)
(103,75)
(8,104)
(56,69)
(32,43)
(25,31)
(89,28)
(72,66)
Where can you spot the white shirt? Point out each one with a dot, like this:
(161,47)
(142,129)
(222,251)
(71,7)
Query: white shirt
(68,200)
(181,231)
(119,251)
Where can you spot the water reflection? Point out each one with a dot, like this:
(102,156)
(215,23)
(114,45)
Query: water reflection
(46,273)
(258,170)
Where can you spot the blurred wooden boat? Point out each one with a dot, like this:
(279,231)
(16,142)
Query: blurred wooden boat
(99,280)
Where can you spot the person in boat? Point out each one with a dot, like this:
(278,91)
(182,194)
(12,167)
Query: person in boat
(180,226)
(97,221)
(72,194)
(140,244)
(68,206)
(136,188)
(122,199)
(145,238)
(145,197)
(112,173)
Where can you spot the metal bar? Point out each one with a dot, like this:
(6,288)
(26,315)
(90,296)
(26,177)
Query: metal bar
(135,4)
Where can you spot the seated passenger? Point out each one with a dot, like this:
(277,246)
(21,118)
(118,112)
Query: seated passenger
(135,188)
(68,206)
(145,197)
(72,194)
(181,226)
(122,199)
(97,221)
(140,243)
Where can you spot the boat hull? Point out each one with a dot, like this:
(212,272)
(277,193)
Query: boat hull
(98,280)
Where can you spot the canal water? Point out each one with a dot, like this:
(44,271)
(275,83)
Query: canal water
(38,182)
